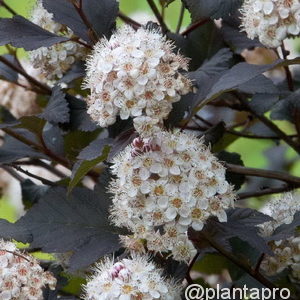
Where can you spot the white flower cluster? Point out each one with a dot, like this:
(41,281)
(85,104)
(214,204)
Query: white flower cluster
(56,60)
(134,74)
(286,255)
(286,252)
(282,210)
(21,277)
(271,20)
(130,279)
(165,185)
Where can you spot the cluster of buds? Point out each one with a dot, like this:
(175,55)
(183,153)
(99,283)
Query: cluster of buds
(140,146)
(171,181)
(21,277)
(271,20)
(134,74)
(135,278)
(286,252)
(56,60)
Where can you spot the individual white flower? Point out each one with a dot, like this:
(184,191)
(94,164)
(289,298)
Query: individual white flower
(133,244)
(134,74)
(271,20)
(56,60)
(129,279)
(147,126)
(21,277)
(286,252)
(166,184)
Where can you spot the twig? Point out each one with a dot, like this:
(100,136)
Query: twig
(244,123)
(129,21)
(243,265)
(78,41)
(266,191)
(271,125)
(180,20)
(23,139)
(78,6)
(204,120)
(257,267)
(15,253)
(13,173)
(198,128)
(11,50)
(158,15)
(252,136)
(40,163)
(44,150)
(41,179)
(287,70)
(8,8)
(191,264)
(32,80)
(162,9)
(32,250)
(297,121)
(27,88)
(285,177)
(195,26)
(279,132)
(36,146)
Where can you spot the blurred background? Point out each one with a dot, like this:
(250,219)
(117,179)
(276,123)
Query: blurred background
(255,153)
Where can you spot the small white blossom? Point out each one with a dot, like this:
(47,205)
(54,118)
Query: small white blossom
(147,126)
(56,60)
(271,20)
(134,74)
(170,181)
(21,277)
(130,279)
(286,252)
(133,244)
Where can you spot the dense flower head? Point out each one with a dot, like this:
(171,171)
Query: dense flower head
(136,278)
(286,252)
(286,255)
(134,73)
(271,20)
(21,277)
(56,60)
(164,185)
